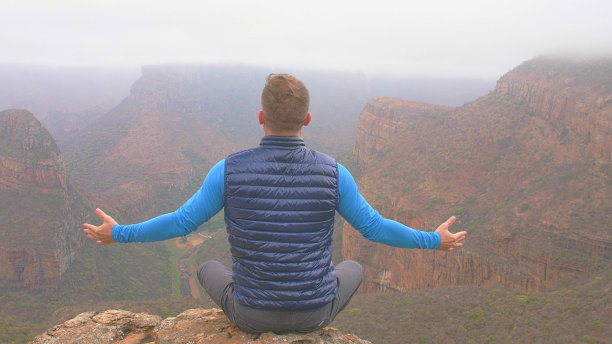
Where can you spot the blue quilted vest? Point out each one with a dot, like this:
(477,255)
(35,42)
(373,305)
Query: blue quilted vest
(280,200)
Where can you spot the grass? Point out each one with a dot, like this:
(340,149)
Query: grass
(577,312)
(175,255)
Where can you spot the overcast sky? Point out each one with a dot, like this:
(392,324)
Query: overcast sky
(428,37)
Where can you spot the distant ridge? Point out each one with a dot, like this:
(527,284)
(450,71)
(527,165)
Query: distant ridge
(64,99)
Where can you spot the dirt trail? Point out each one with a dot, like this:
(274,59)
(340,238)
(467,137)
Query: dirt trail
(188,280)
(185,274)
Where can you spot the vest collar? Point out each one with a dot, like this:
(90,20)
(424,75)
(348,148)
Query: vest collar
(282,141)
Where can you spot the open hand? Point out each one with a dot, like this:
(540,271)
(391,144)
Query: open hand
(448,240)
(101,234)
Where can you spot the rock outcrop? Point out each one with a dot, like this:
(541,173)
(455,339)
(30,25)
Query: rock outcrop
(192,326)
(526,169)
(40,231)
(383,118)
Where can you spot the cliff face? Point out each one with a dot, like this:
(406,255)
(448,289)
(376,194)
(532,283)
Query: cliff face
(529,179)
(39,208)
(383,118)
(30,157)
(191,326)
(574,96)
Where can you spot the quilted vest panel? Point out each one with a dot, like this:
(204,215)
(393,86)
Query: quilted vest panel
(280,200)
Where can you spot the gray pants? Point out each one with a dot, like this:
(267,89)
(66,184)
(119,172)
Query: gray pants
(217,280)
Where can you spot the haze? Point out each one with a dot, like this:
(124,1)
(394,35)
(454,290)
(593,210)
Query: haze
(470,38)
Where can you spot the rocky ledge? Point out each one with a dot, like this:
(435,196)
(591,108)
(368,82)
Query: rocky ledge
(192,326)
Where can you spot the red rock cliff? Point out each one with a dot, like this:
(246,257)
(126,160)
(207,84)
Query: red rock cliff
(576,96)
(525,182)
(39,236)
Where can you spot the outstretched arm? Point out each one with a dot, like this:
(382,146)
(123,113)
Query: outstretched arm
(358,212)
(203,205)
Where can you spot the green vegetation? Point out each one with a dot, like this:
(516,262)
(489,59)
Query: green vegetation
(99,274)
(477,319)
(578,312)
(24,213)
(475,225)
(199,163)
(175,255)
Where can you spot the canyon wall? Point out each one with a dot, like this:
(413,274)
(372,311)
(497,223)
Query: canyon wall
(383,118)
(576,96)
(529,179)
(40,231)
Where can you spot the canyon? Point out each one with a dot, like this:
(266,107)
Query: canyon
(526,170)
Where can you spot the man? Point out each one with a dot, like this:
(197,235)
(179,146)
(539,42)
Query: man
(279,199)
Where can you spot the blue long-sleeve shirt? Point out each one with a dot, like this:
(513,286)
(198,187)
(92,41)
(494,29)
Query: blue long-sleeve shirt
(208,201)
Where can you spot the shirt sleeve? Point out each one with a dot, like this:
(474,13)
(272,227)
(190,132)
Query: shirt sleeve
(203,205)
(357,211)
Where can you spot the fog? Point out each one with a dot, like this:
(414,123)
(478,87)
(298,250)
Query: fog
(470,38)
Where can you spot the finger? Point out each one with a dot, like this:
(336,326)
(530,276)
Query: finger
(459,236)
(90,227)
(91,234)
(101,214)
(450,221)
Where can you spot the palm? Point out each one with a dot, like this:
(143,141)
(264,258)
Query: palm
(101,234)
(448,240)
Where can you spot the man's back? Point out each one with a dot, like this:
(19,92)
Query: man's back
(280,200)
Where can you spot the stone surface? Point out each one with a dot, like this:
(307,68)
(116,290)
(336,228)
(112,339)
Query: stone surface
(192,326)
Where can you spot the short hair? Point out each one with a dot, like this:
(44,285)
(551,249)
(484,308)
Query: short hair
(284,101)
